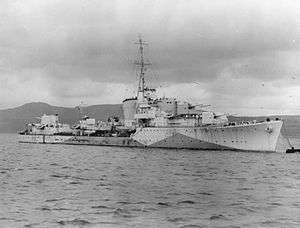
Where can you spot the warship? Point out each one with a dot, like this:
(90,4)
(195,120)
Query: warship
(159,122)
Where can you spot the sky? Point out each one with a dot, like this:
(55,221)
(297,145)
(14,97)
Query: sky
(242,57)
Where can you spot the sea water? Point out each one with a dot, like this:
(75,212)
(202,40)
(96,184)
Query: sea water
(90,186)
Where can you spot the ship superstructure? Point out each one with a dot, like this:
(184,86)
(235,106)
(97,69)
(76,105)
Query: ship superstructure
(148,110)
(161,122)
(48,125)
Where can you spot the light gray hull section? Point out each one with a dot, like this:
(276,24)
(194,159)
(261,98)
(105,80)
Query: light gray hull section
(249,137)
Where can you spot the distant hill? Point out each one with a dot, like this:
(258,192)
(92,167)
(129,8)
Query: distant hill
(14,119)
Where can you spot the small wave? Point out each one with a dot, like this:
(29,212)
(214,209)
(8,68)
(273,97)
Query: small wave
(175,193)
(205,193)
(289,186)
(60,176)
(101,185)
(188,193)
(19,220)
(179,219)
(102,212)
(7,169)
(186,202)
(147,209)
(67,176)
(75,182)
(106,163)
(235,204)
(182,174)
(248,162)
(237,178)
(215,217)
(244,189)
(249,209)
(63,209)
(143,209)
(123,202)
(75,222)
(32,224)
(191,226)
(296,204)
(82,178)
(276,204)
(3,218)
(164,204)
(23,186)
(270,164)
(126,202)
(43,208)
(54,200)
(122,212)
(19,169)
(39,181)
(141,202)
(269,222)
(54,164)
(101,207)
(209,178)
(108,223)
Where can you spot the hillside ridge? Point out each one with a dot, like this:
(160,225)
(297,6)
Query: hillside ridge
(14,119)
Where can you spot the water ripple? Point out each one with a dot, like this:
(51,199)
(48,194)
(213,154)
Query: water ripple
(79,186)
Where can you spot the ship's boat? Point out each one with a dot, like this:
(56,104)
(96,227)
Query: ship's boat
(160,122)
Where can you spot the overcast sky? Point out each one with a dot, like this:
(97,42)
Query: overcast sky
(242,57)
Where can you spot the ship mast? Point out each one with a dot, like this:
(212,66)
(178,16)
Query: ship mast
(141,63)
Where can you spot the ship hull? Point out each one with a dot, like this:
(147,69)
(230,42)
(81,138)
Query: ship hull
(250,137)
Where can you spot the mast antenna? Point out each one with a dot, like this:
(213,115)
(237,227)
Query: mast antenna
(141,63)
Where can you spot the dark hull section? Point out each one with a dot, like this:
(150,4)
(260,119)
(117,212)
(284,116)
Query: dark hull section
(177,142)
(80,140)
(180,142)
(103,141)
